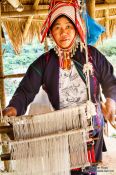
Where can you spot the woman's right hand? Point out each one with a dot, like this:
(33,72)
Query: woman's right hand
(109,109)
(9,111)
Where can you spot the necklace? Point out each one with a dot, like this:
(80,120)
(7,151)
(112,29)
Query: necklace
(65,55)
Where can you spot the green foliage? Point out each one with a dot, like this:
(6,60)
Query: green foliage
(14,64)
(108,47)
(19,63)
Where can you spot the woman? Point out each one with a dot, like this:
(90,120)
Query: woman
(60,72)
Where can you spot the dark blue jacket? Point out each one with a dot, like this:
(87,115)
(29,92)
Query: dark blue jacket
(45,71)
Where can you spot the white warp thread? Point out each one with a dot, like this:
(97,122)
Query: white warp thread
(50,155)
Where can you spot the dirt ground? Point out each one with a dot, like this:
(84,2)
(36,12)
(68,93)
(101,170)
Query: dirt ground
(108,166)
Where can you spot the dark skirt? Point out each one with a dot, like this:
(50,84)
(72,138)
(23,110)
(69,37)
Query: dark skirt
(100,146)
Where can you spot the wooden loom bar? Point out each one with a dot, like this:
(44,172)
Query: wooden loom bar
(7,156)
(24,13)
(50,136)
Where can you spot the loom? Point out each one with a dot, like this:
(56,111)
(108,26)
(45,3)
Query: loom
(52,143)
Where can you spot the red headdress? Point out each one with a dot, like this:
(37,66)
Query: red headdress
(69,8)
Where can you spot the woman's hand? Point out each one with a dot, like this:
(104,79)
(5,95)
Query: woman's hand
(9,111)
(109,109)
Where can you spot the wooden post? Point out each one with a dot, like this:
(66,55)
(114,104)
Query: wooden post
(2,90)
(107,23)
(5,149)
(91,8)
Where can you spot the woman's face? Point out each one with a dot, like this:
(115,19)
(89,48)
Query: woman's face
(63,32)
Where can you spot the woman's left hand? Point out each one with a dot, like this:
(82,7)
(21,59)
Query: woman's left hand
(109,109)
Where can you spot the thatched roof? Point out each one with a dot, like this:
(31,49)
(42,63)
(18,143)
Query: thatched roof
(23,26)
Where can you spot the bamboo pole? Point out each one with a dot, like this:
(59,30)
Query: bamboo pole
(103,18)
(105,6)
(12,76)
(107,23)
(2,90)
(42,20)
(29,20)
(42,12)
(91,8)
(5,148)
(22,19)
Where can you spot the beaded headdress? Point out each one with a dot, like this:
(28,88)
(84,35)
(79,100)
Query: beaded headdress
(71,9)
